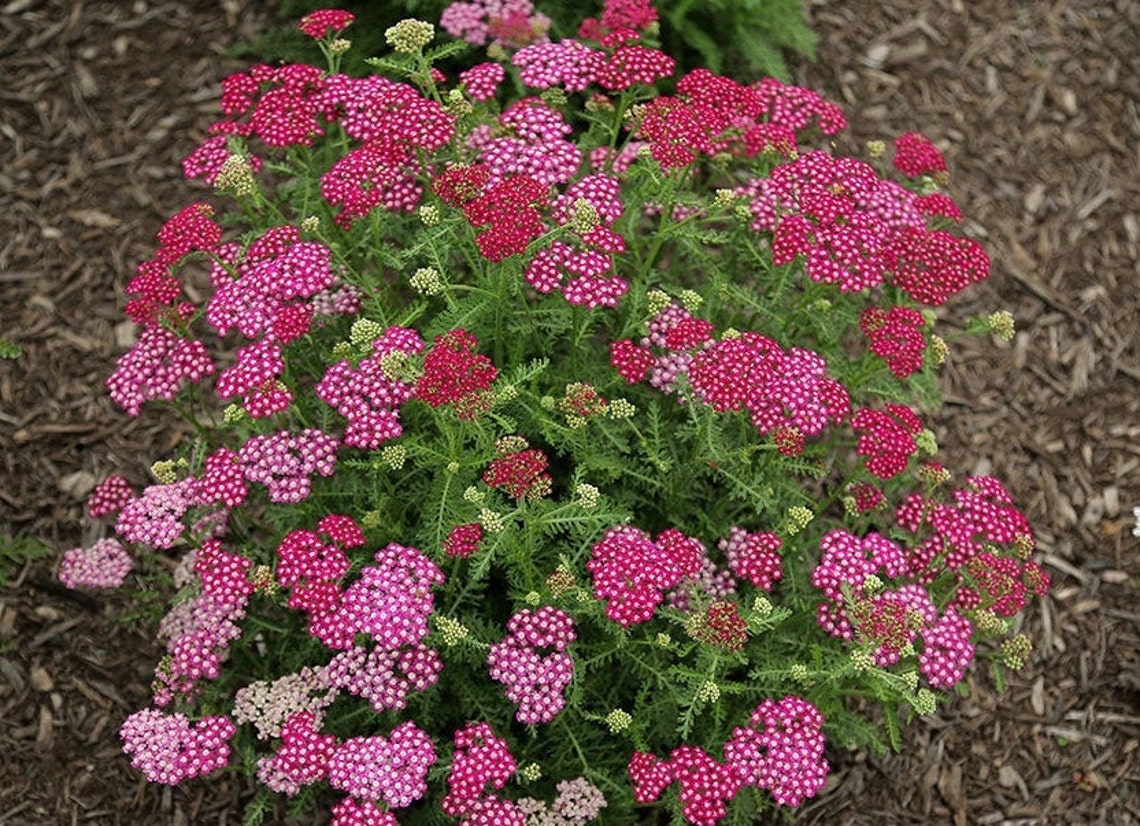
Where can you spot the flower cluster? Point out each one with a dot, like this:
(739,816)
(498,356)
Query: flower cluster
(170,748)
(631,572)
(535,681)
(787,393)
(456,375)
(481,758)
(393,769)
(103,565)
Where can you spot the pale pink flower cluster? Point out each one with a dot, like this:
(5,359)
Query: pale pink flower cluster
(267,705)
(103,565)
(392,769)
(170,748)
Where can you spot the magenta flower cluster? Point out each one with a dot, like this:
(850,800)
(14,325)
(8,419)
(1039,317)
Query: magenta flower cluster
(531,661)
(632,572)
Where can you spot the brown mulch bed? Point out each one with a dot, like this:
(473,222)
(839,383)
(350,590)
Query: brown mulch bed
(1037,107)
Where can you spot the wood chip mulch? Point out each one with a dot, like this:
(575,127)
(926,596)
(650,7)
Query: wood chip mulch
(1037,108)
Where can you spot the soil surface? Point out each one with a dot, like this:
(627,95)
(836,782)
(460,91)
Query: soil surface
(1037,108)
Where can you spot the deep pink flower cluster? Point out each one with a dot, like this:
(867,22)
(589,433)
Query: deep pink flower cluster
(316,24)
(199,630)
(932,266)
(509,213)
(520,473)
(590,266)
(254,376)
(109,496)
(302,758)
(390,601)
(707,786)
(288,105)
(886,438)
(463,540)
(847,560)
(280,105)
(368,397)
(631,572)
(835,211)
(349,812)
(938,204)
(782,390)
(154,290)
(103,565)
(221,482)
(455,374)
(481,758)
(374,108)
(781,749)
(893,618)
(982,514)
(257,289)
(285,462)
(787,393)
(916,155)
(224,576)
(482,81)
(1000,583)
(855,229)
(305,558)
(866,496)
(507,23)
(156,367)
(947,650)
(393,769)
(591,283)
(754,556)
(169,748)
(535,680)
(573,66)
(895,336)
(380,172)
(568,64)
(712,114)
(535,145)
(511,209)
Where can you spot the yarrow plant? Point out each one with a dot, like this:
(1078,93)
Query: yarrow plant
(560,445)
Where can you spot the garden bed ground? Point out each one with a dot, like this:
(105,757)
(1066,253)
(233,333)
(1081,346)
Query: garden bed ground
(1038,108)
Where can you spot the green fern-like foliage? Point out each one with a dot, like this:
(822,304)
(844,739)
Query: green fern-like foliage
(764,32)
